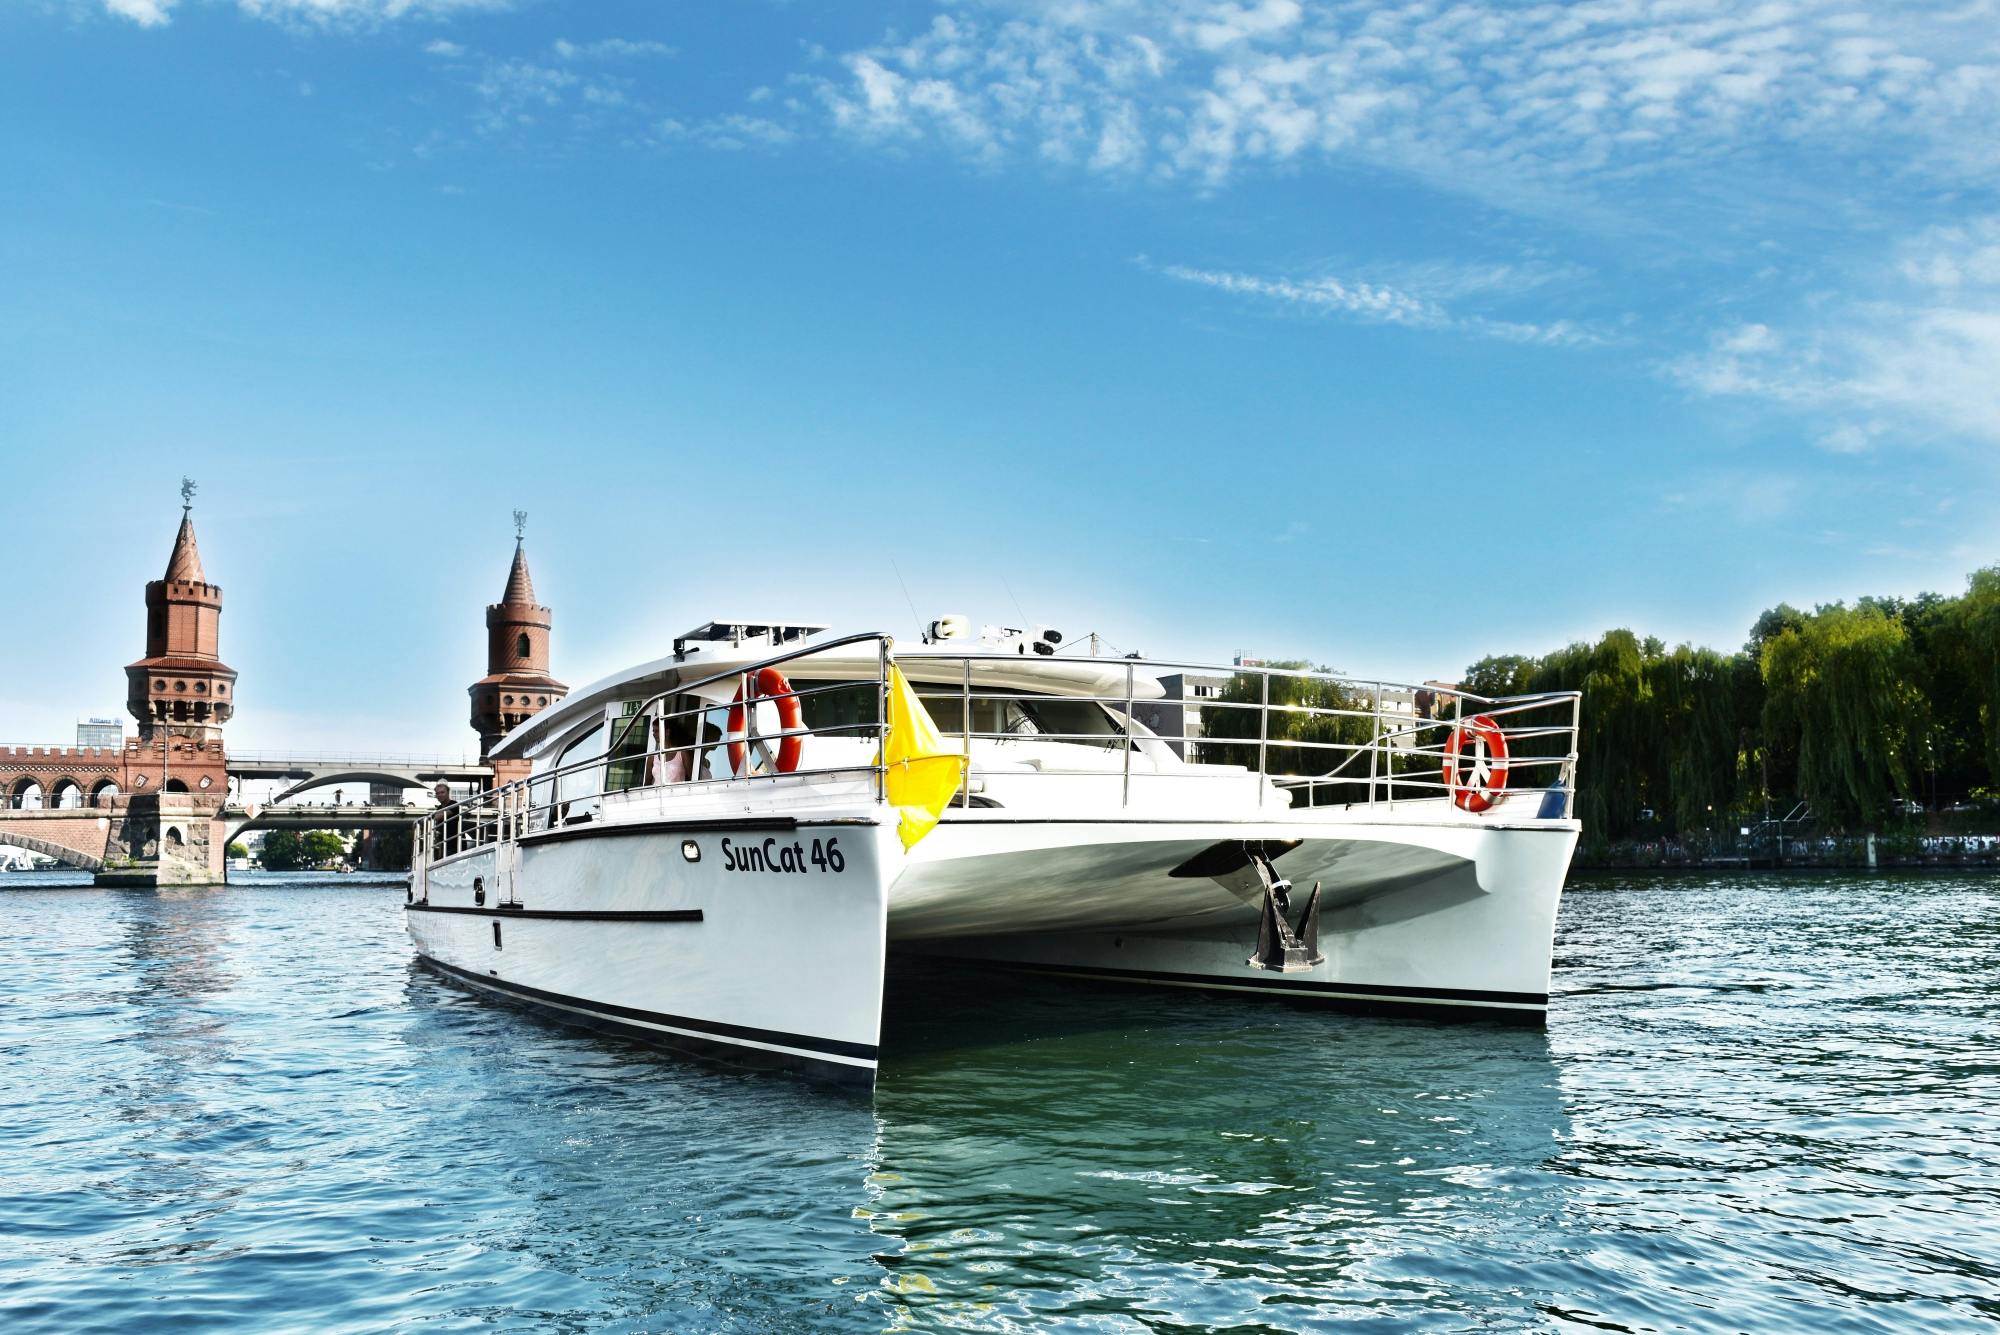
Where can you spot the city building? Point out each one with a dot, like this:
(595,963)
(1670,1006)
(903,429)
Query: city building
(105,734)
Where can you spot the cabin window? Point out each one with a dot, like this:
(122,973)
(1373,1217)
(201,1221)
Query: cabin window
(1078,722)
(583,783)
(850,706)
(625,766)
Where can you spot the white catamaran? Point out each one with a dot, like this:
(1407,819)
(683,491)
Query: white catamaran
(721,848)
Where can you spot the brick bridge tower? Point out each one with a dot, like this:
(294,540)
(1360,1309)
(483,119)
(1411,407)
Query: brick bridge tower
(517,684)
(182,691)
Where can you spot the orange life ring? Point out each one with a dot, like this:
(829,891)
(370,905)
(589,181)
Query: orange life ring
(771,685)
(1475,763)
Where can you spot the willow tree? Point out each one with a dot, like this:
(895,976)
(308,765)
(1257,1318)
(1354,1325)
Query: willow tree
(1696,739)
(1614,746)
(1841,700)
(1307,730)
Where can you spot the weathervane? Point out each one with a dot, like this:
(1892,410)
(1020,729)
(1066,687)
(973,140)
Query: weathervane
(187,494)
(520,524)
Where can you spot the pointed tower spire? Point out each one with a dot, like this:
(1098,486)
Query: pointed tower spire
(520,585)
(184,565)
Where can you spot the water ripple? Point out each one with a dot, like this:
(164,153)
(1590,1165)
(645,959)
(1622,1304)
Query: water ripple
(1762,1104)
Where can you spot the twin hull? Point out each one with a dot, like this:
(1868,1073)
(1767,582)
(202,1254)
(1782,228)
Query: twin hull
(767,937)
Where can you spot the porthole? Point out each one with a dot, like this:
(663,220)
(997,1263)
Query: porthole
(544,700)
(180,686)
(159,685)
(506,699)
(201,688)
(222,690)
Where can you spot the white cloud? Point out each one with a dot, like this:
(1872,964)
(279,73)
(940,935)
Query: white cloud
(1378,303)
(323,13)
(610,48)
(726,132)
(515,90)
(145,13)
(1502,100)
(443,48)
(1920,349)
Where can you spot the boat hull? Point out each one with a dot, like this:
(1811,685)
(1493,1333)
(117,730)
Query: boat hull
(764,939)
(1440,918)
(753,948)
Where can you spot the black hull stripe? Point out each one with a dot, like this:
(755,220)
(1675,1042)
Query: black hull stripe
(1277,983)
(572,915)
(829,1047)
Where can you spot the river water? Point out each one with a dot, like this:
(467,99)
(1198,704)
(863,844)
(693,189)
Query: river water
(1762,1104)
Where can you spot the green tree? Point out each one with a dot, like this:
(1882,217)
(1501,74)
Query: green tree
(1841,699)
(322,848)
(1310,726)
(1967,638)
(237,849)
(1696,749)
(1616,738)
(282,851)
(1501,675)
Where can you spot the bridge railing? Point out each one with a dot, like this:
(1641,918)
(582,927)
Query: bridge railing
(354,760)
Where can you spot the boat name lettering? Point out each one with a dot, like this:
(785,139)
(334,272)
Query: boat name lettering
(772,855)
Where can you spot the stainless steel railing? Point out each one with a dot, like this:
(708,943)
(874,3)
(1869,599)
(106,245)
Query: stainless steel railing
(1299,734)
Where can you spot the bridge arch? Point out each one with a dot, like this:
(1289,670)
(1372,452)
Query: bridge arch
(103,793)
(66,794)
(69,857)
(334,777)
(26,794)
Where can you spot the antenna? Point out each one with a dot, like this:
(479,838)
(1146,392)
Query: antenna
(520,525)
(906,596)
(187,494)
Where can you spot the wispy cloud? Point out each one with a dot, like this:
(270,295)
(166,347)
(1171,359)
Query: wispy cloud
(611,48)
(1497,99)
(1377,303)
(1917,354)
(728,133)
(317,13)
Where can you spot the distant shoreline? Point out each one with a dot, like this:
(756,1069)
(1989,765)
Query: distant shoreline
(1853,852)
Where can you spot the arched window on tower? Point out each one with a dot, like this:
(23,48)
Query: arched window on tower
(521,645)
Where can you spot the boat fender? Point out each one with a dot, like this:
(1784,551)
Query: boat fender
(768,684)
(1475,763)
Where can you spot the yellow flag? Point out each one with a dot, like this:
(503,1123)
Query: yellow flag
(922,776)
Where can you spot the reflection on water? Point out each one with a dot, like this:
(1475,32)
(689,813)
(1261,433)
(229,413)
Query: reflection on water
(1761,1105)
(1050,1153)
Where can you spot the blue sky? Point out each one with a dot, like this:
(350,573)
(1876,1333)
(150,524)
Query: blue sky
(1388,335)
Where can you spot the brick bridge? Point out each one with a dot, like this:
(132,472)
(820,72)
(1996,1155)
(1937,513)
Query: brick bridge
(73,838)
(70,803)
